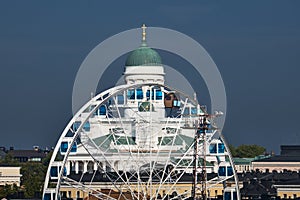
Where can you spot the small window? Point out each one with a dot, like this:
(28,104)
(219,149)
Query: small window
(53,171)
(131,94)
(139,93)
(102,110)
(213,148)
(145,107)
(234,195)
(47,196)
(229,171)
(148,94)
(222,171)
(176,103)
(74,147)
(87,126)
(194,111)
(120,99)
(158,94)
(64,171)
(64,147)
(186,111)
(227,196)
(221,148)
(76,125)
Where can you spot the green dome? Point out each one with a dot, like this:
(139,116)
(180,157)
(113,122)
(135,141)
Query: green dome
(143,55)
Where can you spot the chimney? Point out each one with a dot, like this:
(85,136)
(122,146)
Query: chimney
(36,148)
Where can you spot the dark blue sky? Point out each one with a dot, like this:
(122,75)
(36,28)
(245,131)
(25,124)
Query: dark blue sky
(255,44)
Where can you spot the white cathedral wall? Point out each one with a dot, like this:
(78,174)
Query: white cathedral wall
(142,74)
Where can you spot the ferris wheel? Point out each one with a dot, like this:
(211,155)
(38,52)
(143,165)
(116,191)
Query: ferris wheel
(140,141)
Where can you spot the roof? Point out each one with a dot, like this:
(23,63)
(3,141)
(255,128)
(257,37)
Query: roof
(105,141)
(242,161)
(143,55)
(27,153)
(187,162)
(258,188)
(281,158)
(289,183)
(269,176)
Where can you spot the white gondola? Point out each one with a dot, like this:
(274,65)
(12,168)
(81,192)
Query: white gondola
(230,193)
(225,170)
(55,169)
(66,143)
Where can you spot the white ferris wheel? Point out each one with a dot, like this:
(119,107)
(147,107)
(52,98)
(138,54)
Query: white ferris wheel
(141,140)
(136,149)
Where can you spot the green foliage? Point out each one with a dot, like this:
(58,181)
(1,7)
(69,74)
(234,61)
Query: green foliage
(9,160)
(8,191)
(32,180)
(247,151)
(232,150)
(33,175)
(46,160)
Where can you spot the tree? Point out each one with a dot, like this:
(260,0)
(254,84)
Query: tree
(9,160)
(33,175)
(232,150)
(46,160)
(248,151)
(9,191)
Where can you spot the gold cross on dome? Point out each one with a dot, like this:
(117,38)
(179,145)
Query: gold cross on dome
(144,32)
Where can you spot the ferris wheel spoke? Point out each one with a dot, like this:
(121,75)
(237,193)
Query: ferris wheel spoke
(176,167)
(109,176)
(175,181)
(162,181)
(95,147)
(126,147)
(116,140)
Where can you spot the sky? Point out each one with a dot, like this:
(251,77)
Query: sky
(255,45)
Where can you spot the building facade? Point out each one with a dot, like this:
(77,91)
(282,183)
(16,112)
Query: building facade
(289,159)
(10,175)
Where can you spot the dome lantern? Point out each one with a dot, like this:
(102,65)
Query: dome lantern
(144,55)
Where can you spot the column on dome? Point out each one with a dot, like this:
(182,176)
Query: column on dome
(85,165)
(95,166)
(68,167)
(76,167)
